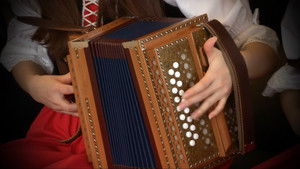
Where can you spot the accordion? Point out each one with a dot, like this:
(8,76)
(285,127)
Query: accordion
(128,78)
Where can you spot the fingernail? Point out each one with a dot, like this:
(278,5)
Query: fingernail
(210,117)
(180,106)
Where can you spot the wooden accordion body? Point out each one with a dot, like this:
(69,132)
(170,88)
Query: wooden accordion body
(129,76)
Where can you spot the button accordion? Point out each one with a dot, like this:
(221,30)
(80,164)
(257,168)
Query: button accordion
(128,78)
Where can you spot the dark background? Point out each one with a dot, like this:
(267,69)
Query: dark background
(273,133)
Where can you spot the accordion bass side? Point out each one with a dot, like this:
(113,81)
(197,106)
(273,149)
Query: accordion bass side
(128,78)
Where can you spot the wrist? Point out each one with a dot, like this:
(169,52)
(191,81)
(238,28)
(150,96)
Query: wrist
(30,83)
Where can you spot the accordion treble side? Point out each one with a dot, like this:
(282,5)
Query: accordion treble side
(128,78)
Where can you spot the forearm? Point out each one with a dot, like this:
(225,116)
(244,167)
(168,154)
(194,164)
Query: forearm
(23,73)
(260,59)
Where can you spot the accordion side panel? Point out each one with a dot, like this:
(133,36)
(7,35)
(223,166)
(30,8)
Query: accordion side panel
(87,108)
(151,106)
(79,102)
(176,61)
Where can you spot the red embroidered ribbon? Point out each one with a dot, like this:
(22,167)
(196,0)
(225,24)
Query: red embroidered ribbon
(90,12)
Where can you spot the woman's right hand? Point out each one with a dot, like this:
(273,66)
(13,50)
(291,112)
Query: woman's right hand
(51,90)
(213,89)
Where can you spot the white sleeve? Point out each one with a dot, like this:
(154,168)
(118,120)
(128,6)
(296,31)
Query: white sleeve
(20,47)
(287,77)
(258,33)
(235,15)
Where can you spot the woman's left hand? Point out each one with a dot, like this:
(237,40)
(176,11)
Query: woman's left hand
(213,89)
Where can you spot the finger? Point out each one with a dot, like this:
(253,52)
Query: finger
(66,78)
(196,98)
(60,104)
(197,95)
(66,89)
(71,107)
(68,108)
(71,113)
(204,107)
(207,104)
(209,45)
(218,109)
(199,87)
(65,106)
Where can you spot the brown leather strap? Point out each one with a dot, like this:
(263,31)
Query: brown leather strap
(54,25)
(241,87)
(73,137)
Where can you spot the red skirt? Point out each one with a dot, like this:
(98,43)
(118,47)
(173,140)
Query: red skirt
(41,149)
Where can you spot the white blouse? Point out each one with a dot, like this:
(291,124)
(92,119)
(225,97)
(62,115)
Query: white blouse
(234,14)
(19,46)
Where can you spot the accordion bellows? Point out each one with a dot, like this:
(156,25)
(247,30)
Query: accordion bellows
(129,76)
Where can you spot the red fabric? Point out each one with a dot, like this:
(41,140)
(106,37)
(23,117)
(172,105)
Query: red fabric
(87,9)
(40,148)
